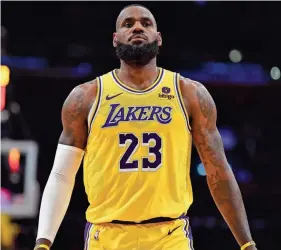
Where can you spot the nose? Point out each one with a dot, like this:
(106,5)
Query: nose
(138,28)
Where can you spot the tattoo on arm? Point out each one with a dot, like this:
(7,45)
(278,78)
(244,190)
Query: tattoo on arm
(220,178)
(73,108)
(74,119)
(221,189)
(207,107)
(205,133)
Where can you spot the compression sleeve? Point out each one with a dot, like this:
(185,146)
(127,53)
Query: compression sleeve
(58,190)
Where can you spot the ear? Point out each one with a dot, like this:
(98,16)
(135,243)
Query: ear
(159,39)
(114,40)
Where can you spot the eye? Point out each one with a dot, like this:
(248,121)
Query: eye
(128,25)
(146,24)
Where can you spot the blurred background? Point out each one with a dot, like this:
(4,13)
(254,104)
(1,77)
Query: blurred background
(233,48)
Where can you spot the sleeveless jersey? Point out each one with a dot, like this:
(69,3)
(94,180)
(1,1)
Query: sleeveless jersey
(137,158)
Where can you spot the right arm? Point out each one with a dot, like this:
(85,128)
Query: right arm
(69,154)
(74,117)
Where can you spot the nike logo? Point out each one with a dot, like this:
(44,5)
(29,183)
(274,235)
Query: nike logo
(170,232)
(111,97)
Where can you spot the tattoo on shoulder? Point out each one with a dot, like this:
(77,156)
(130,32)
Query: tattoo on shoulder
(206,103)
(74,106)
(73,119)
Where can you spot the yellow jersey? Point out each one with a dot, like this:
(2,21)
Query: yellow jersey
(137,158)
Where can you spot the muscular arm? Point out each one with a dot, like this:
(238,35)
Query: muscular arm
(58,190)
(220,178)
(74,118)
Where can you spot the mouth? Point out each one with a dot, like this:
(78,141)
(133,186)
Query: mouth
(137,38)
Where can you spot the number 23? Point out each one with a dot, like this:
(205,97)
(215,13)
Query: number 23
(126,165)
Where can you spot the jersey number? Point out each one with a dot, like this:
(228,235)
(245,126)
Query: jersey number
(126,165)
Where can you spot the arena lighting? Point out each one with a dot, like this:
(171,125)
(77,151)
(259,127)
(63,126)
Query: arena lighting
(14,160)
(201,170)
(5,75)
(201,2)
(275,73)
(244,176)
(5,79)
(20,172)
(235,56)
(3,98)
(228,137)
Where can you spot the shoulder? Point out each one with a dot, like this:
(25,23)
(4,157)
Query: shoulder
(195,95)
(81,97)
(190,88)
(85,89)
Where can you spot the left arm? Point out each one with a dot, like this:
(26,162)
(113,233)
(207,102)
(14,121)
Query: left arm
(220,178)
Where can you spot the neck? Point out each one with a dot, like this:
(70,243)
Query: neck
(138,74)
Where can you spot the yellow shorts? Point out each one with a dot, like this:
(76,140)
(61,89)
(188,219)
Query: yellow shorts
(170,235)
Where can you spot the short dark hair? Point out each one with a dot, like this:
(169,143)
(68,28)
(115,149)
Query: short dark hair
(134,5)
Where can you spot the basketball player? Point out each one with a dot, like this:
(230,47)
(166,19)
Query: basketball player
(134,127)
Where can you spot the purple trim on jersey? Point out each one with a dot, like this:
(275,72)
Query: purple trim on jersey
(180,100)
(98,102)
(187,231)
(190,232)
(87,234)
(135,91)
(86,230)
(185,227)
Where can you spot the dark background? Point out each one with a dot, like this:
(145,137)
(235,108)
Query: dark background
(70,33)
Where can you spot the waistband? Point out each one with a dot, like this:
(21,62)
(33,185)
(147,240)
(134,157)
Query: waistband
(153,220)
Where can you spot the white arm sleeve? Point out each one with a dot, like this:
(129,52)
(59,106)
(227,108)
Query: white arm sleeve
(58,190)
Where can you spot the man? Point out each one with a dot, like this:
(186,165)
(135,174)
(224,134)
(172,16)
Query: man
(134,126)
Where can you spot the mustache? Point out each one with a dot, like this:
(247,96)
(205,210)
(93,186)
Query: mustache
(138,36)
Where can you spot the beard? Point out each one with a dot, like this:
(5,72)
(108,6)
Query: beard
(139,54)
